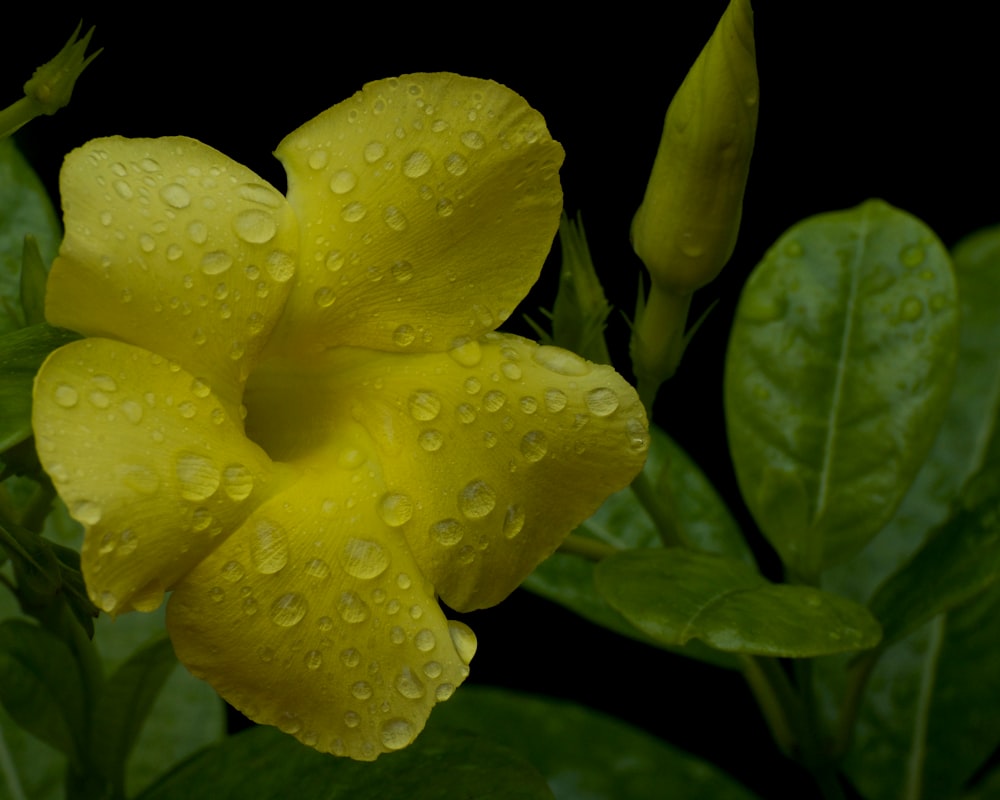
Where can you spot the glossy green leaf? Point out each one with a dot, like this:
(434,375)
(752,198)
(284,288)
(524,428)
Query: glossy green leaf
(263,762)
(40,686)
(21,354)
(33,279)
(676,595)
(124,705)
(24,209)
(929,718)
(583,754)
(959,561)
(973,409)
(837,377)
(690,504)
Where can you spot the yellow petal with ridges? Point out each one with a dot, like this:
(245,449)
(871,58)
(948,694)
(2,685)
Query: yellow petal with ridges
(148,460)
(174,247)
(490,453)
(313,617)
(428,205)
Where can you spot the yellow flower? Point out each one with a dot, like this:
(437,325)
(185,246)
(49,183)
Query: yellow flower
(294,414)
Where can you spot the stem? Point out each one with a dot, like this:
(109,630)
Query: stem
(649,498)
(858,673)
(17,114)
(591,549)
(789,721)
(658,340)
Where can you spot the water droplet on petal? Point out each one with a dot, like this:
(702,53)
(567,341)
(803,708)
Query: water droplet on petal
(342,181)
(602,402)
(409,685)
(374,151)
(364,559)
(447,532)
(268,547)
(403,336)
(237,482)
(280,265)
(560,361)
(912,256)
(175,195)
(352,608)
(456,164)
(397,734)
(197,476)
(395,509)
(513,521)
(431,440)
(288,610)
(233,571)
(255,226)
(555,400)
(66,396)
(494,400)
(477,499)
(473,140)
(416,164)
(464,640)
(313,660)
(216,262)
(424,406)
(88,512)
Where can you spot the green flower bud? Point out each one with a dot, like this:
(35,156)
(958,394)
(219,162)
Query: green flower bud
(685,230)
(50,88)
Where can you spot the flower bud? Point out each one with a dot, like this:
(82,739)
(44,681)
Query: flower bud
(685,230)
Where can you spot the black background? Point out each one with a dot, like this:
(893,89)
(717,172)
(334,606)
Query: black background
(858,100)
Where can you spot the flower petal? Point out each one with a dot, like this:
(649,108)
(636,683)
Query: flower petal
(148,460)
(428,204)
(313,617)
(172,246)
(491,453)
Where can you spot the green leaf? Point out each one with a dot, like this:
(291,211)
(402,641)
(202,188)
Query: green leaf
(24,209)
(36,565)
(187,714)
(676,595)
(33,278)
(28,768)
(959,561)
(689,503)
(973,409)
(440,765)
(124,705)
(583,753)
(929,718)
(40,686)
(21,354)
(837,377)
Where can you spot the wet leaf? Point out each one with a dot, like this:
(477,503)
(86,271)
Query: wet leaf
(837,377)
(34,770)
(685,497)
(582,753)
(676,595)
(24,209)
(439,765)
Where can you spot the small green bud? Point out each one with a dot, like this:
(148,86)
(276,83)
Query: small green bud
(581,310)
(50,88)
(685,230)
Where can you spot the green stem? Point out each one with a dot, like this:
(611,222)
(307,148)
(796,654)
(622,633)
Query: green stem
(650,500)
(17,114)
(658,341)
(591,549)
(857,679)
(775,697)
